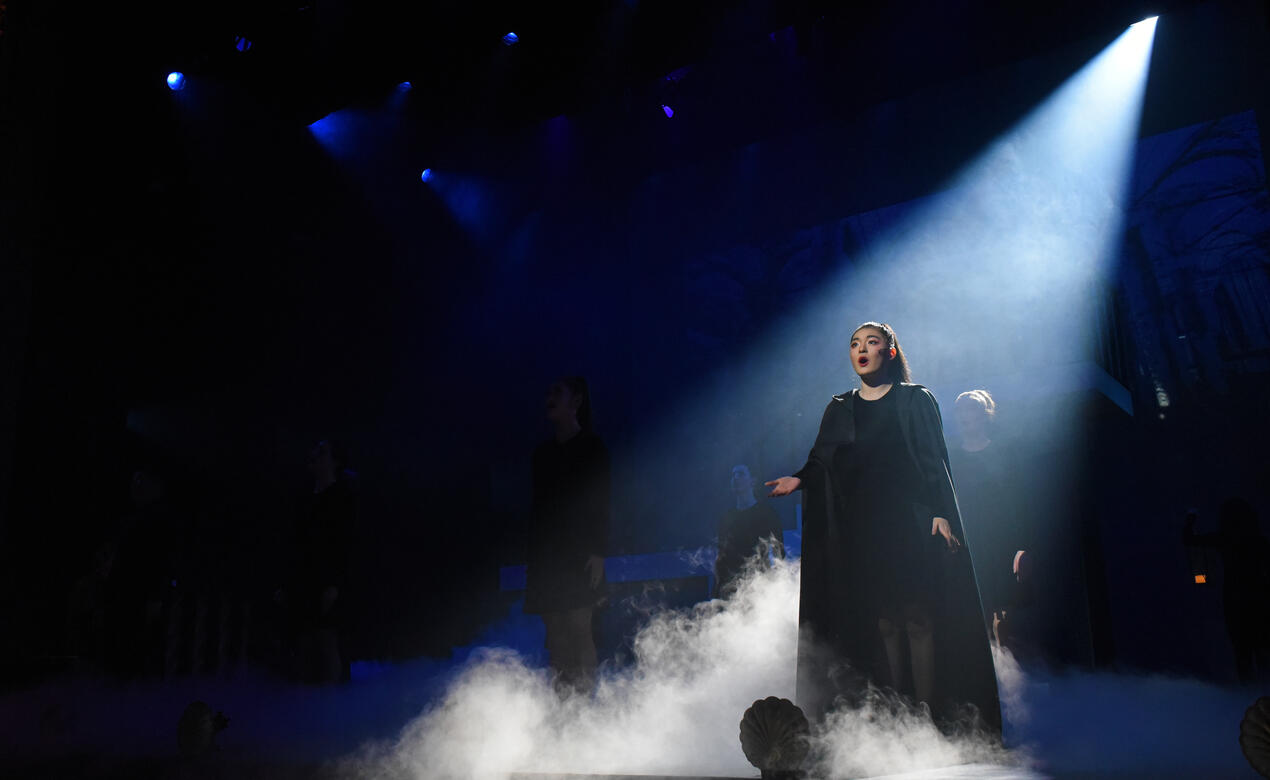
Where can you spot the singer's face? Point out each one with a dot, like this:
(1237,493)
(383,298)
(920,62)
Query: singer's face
(869,352)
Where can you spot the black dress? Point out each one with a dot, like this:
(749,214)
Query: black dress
(569,522)
(323,546)
(741,532)
(988,489)
(876,476)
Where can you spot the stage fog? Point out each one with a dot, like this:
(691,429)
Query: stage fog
(229,297)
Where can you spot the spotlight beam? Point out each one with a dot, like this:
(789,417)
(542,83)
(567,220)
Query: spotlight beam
(990,277)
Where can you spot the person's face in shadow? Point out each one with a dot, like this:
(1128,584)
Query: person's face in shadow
(972,419)
(742,481)
(321,463)
(562,404)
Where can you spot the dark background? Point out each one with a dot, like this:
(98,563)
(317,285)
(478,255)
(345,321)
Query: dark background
(201,282)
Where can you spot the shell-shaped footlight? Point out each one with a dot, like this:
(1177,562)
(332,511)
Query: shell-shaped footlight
(1254,735)
(774,736)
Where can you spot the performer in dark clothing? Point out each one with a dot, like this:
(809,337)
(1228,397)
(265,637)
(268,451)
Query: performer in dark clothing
(748,528)
(141,579)
(990,490)
(888,591)
(318,594)
(1245,558)
(568,532)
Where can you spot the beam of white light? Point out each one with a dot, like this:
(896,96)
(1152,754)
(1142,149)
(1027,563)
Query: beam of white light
(1014,245)
(995,275)
(1018,235)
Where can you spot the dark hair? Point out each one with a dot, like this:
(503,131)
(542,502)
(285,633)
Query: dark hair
(578,387)
(896,367)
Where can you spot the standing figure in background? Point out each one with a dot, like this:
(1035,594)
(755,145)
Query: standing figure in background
(747,529)
(86,625)
(888,592)
(1245,559)
(568,532)
(318,593)
(987,493)
(143,574)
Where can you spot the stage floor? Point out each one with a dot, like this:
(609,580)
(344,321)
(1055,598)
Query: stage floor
(84,767)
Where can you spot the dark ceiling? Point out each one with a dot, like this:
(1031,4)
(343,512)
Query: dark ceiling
(318,55)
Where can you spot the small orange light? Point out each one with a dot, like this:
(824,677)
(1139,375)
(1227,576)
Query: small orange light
(1200,579)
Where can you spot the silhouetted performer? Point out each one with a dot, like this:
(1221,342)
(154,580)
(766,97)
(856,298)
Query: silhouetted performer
(747,529)
(887,585)
(568,532)
(142,574)
(988,476)
(318,593)
(86,624)
(1245,558)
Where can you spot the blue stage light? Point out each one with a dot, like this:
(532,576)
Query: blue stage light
(510,38)
(405,86)
(426,175)
(668,111)
(176,80)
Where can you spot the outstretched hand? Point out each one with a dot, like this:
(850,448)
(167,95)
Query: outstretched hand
(1001,628)
(941,526)
(783,486)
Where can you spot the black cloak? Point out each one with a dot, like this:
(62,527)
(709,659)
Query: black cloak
(839,646)
(569,522)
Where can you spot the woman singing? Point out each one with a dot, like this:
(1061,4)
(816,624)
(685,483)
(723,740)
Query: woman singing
(888,592)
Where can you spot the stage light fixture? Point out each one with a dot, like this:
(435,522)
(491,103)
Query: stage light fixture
(242,43)
(511,38)
(1148,20)
(405,86)
(176,80)
(426,175)
(668,111)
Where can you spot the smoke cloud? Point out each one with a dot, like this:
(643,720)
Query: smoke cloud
(675,711)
